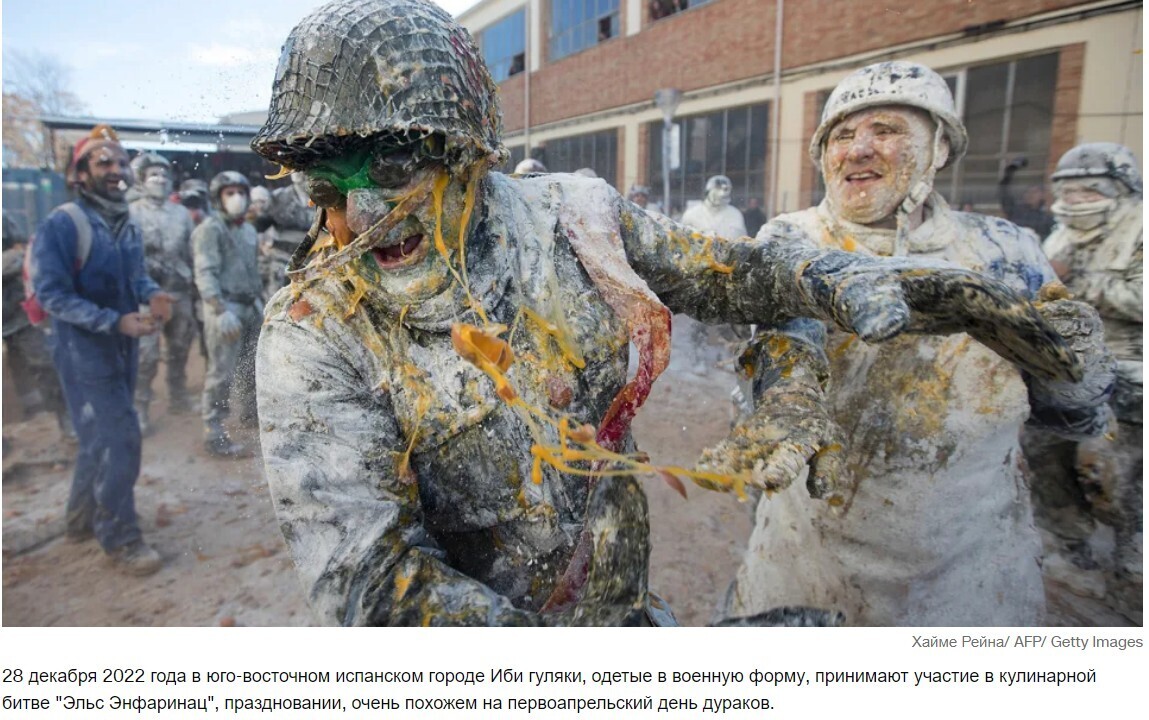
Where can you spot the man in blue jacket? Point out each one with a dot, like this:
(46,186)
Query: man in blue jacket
(88,274)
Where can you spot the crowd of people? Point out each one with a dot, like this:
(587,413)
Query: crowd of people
(130,267)
(440,353)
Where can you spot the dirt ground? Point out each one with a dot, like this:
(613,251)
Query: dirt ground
(226,562)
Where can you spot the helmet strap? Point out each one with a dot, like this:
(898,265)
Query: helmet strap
(919,193)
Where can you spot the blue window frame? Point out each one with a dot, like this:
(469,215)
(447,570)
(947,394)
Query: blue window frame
(504,46)
(579,24)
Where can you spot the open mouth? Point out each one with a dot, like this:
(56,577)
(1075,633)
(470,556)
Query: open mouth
(863,177)
(409,251)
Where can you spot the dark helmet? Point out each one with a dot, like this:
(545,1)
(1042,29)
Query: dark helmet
(142,162)
(227,178)
(193,193)
(1101,159)
(355,69)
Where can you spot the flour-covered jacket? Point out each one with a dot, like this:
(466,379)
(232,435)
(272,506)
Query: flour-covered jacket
(939,530)
(403,484)
(1106,271)
(227,261)
(725,221)
(166,229)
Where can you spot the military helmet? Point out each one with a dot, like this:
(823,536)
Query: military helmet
(356,69)
(530,165)
(143,161)
(227,178)
(193,193)
(895,82)
(1101,159)
(717,180)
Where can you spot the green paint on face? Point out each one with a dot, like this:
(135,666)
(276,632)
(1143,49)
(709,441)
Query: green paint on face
(347,173)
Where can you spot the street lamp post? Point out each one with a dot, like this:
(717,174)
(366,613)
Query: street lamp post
(667,101)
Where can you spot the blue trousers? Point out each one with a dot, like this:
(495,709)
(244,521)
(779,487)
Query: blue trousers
(98,375)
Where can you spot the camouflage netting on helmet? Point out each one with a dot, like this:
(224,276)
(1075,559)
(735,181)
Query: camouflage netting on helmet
(357,69)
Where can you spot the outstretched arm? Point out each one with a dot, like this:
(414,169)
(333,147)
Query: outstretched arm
(780,276)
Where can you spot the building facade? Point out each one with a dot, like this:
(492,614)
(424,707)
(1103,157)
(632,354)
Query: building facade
(578,78)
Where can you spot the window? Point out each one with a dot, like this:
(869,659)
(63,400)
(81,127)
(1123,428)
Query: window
(579,24)
(729,142)
(504,46)
(664,8)
(1007,109)
(597,151)
(1008,112)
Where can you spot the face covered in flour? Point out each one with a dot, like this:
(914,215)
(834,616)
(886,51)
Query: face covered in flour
(1085,204)
(361,188)
(872,160)
(157,182)
(718,189)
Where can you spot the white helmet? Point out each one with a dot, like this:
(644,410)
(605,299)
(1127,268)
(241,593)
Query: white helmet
(895,82)
(1101,159)
(530,165)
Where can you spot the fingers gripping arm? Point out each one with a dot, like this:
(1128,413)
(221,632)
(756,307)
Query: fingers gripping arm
(1074,410)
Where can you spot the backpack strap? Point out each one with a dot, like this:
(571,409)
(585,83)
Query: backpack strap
(83,232)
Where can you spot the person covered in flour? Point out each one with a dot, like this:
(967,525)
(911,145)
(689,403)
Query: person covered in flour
(1095,247)
(443,386)
(913,444)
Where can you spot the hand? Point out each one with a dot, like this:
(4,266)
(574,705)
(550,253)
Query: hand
(790,430)
(136,325)
(1080,408)
(229,326)
(878,298)
(161,306)
(1061,268)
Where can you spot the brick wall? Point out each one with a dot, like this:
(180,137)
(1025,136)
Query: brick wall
(845,27)
(1066,101)
(811,113)
(729,40)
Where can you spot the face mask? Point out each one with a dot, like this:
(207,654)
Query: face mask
(235,205)
(1083,216)
(157,187)
(719,196)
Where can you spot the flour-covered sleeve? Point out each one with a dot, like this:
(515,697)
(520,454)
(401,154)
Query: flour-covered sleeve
(780,276)
(208,258)
(1116,288)
(331,445)
(145,285)
(1073,410)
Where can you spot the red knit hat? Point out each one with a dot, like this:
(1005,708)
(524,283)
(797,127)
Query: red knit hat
(102,136)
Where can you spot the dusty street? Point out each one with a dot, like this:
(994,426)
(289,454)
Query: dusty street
(226,563)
